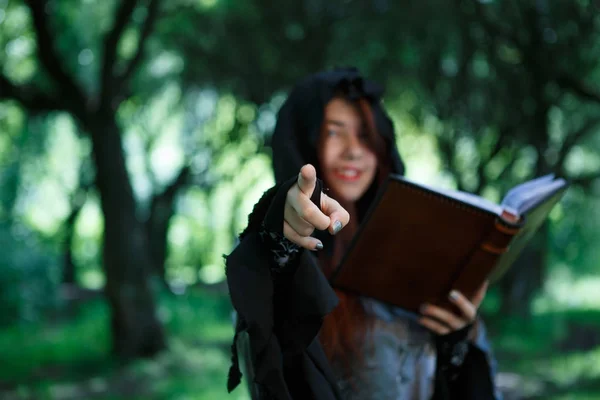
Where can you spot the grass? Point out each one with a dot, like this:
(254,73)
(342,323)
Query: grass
(555,352)
(69,359)
(82,341)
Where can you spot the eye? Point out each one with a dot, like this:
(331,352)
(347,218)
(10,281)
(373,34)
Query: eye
(331,133)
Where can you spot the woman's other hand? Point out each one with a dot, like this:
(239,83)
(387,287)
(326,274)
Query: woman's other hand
(442,321)
(302,216)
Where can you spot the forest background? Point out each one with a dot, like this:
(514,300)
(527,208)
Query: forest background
(134,141)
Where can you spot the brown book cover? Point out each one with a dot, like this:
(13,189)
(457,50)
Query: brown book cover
(417,243)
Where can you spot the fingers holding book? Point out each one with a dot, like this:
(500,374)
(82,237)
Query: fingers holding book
(302,216)
(442,321)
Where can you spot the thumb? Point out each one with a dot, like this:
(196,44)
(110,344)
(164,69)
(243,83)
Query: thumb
(307,179)
(480,294)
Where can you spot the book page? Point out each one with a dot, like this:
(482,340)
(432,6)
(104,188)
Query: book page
(469,198)
(516,193)
(517,201)
(527,196)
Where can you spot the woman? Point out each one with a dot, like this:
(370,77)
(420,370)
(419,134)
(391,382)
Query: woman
(307,340)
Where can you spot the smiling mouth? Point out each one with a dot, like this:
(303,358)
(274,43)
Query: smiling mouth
(347,174)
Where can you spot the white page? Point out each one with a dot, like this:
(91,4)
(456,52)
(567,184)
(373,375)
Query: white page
(524,201)
(468,198)
(516,193)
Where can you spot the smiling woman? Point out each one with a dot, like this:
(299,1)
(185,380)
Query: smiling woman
(348,152)
(303,339)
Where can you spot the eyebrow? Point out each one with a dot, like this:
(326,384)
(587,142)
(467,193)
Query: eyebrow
(336,123)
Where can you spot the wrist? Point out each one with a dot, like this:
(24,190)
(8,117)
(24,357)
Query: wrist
(453,347)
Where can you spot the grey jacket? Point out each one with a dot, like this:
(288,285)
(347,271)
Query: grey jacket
(399,358)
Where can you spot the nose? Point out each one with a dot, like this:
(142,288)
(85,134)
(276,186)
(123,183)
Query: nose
(354,147)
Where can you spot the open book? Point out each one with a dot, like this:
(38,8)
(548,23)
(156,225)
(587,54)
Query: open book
(418,242)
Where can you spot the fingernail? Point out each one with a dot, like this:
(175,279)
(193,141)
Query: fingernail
(453,295)
(319,246)
(337,226)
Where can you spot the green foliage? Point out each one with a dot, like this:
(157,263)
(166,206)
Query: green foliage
(82,341)
(69,359)
(29,276)
(575,233)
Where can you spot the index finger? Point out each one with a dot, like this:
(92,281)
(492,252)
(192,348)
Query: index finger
(468,309)
(307,179)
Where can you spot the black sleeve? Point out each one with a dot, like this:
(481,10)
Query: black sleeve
(267,218)
(462,371)
(282,312)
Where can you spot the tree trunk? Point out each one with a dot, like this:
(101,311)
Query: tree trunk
(69,269)
(135,328)
(524,279)
(157,226)
(68,273)
(157,230)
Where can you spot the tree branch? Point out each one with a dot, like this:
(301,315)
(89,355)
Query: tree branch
(146,30)
(578,87)
(500,142)
(50,59)
(29,97)
(157,225)
(111,42)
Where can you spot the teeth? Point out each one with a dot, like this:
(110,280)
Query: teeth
(349,173)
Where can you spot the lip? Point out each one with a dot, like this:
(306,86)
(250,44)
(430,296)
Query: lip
(339,176)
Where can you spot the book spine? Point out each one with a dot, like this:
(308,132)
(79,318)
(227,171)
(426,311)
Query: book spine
(483,259)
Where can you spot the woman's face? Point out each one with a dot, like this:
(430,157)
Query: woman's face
(349,166)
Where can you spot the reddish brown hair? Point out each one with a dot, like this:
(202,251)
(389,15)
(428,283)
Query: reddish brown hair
(344,330)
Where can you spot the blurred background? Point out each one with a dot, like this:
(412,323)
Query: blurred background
(134,141)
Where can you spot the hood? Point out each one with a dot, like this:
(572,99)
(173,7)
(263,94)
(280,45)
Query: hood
(299,120)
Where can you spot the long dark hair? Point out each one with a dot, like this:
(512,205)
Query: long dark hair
(344,330)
